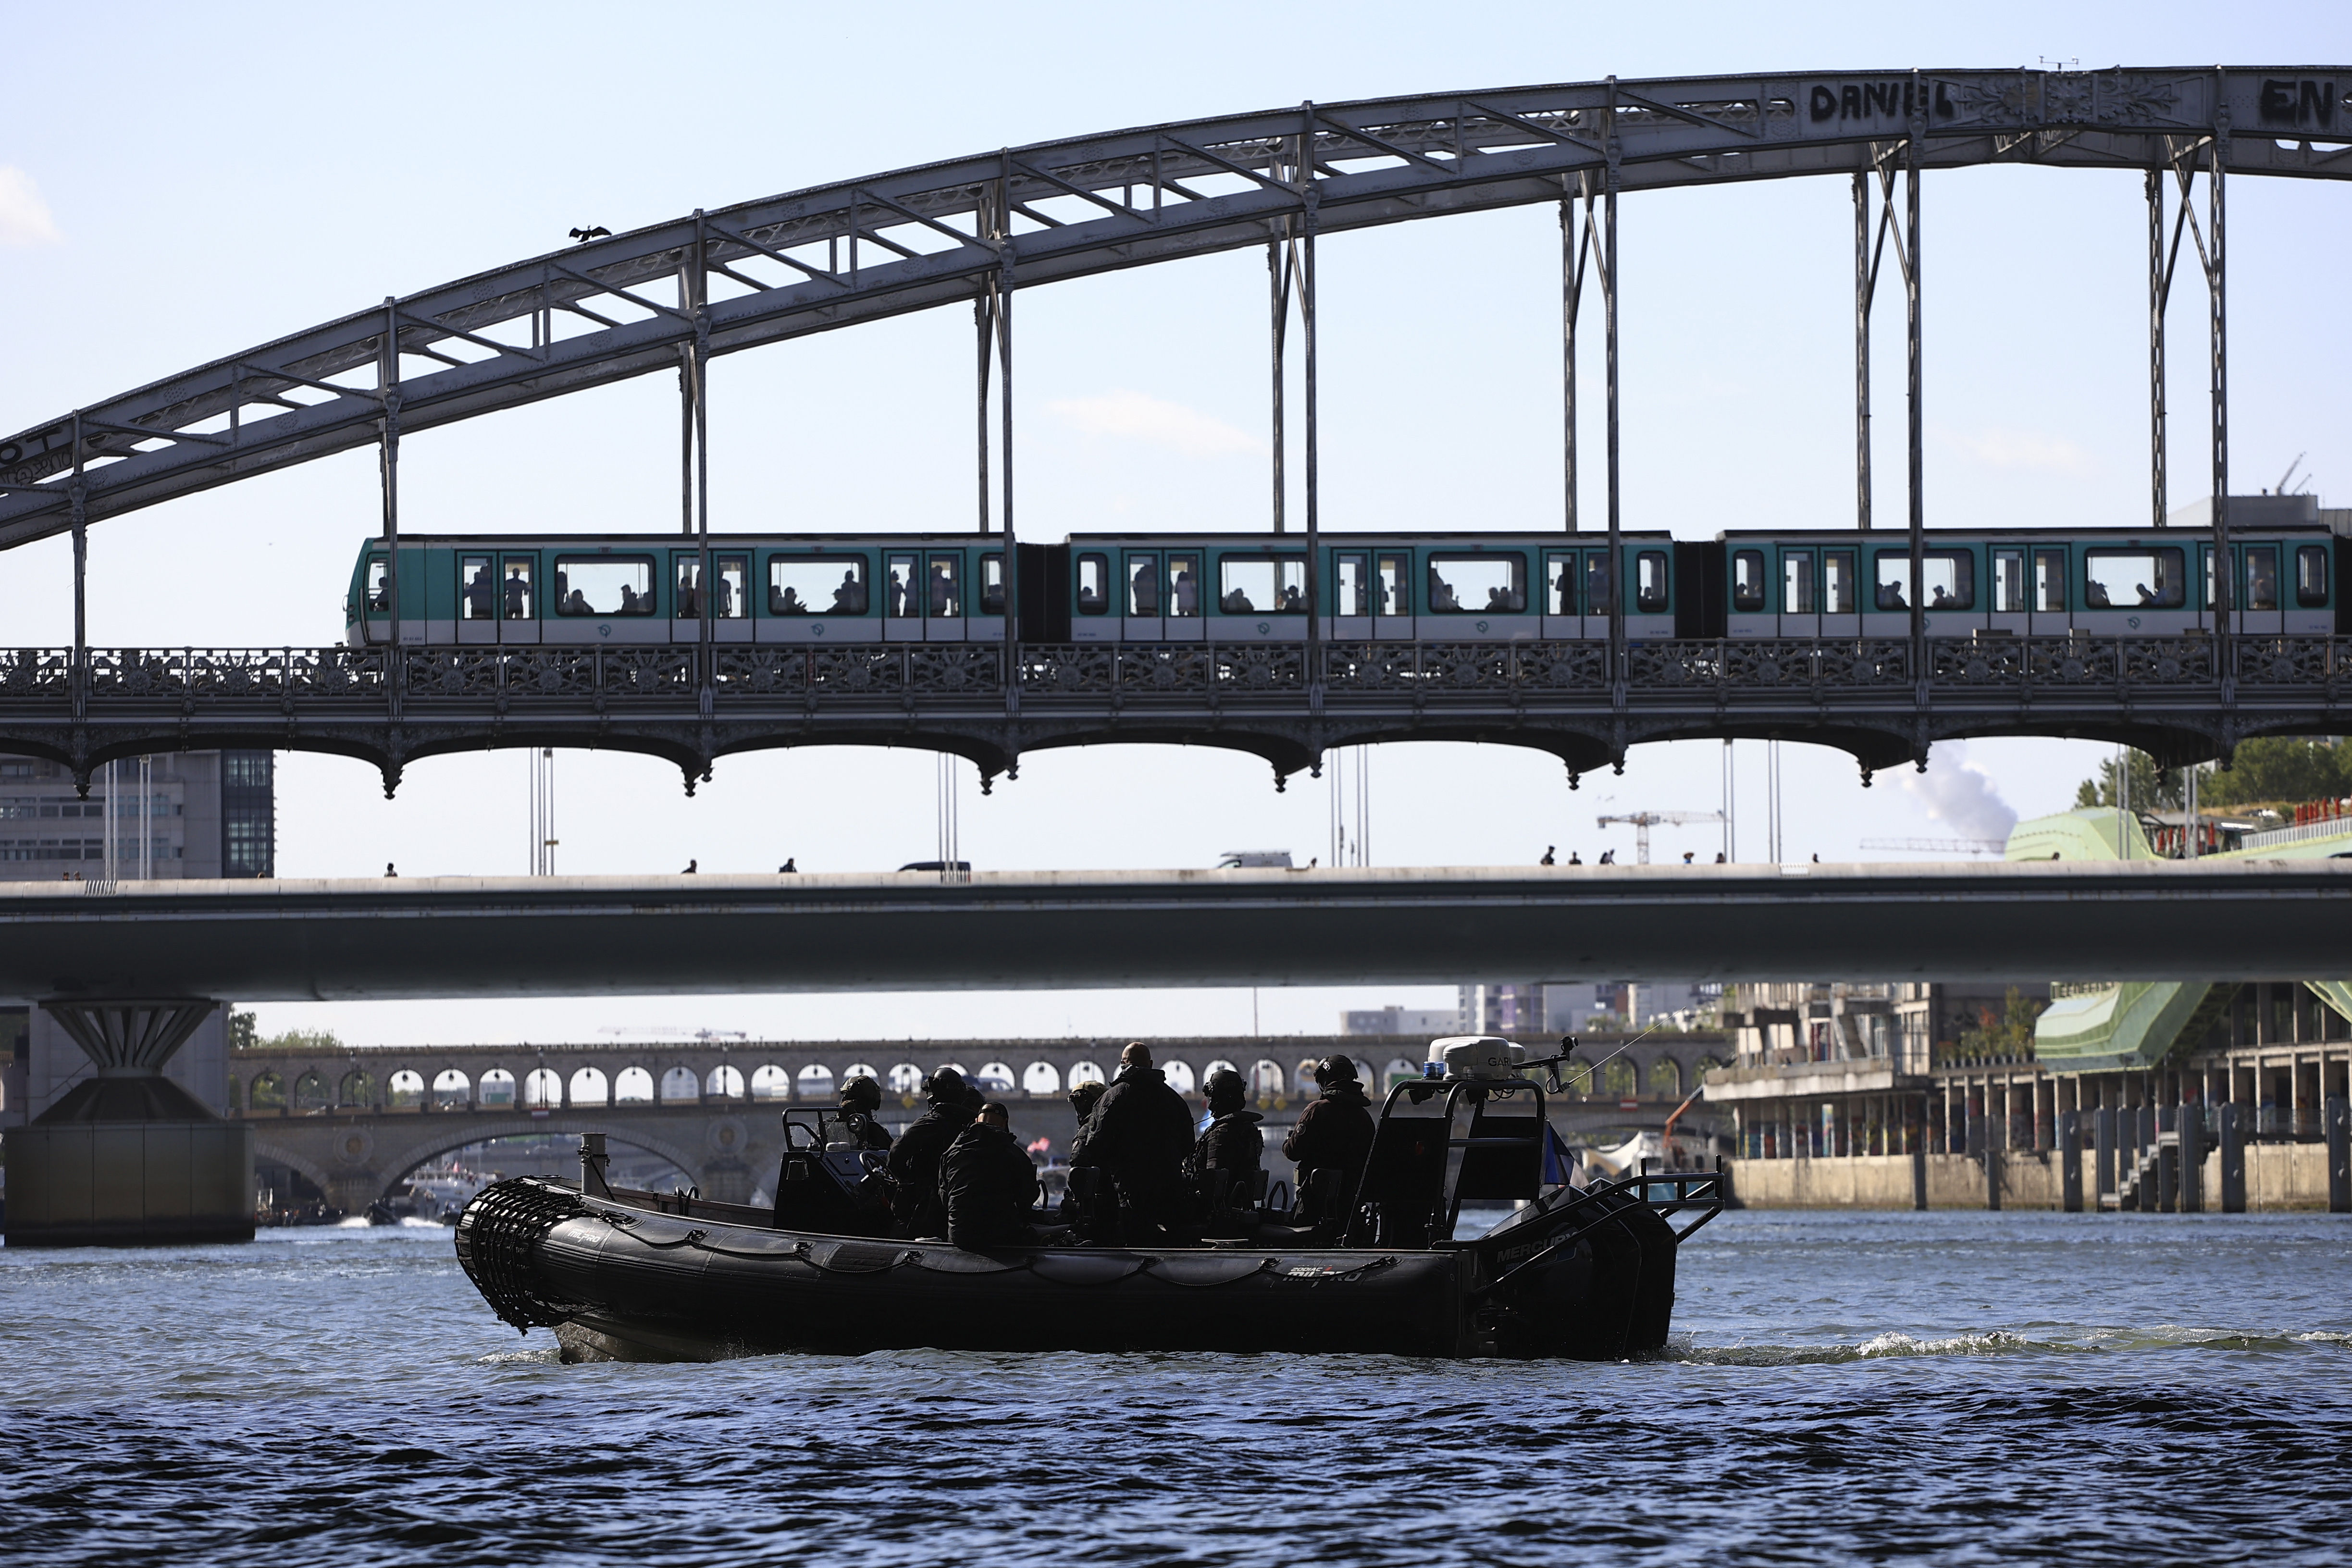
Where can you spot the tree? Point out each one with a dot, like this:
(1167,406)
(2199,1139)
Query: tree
(2009,1036)
(2152,789)
(2287,769)
(242,1035)
(313,1039)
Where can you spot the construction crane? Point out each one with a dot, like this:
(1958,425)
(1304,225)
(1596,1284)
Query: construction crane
(1940,846)
(1645,820)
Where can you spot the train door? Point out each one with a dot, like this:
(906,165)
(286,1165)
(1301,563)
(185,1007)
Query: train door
(1563,616)
(2010,609)
(1392,618)
(1183,595)
(2053,612)
(2312,616)
(518,607)
(477,600)
(1748,603)
(1093,617)
(2259,587)
(1840,593)
(986,623)
(1350,591)
(1651,614)
(729,607)
(902,596)
(1800,594)
(1596,594)
(1144,587)
(943,597)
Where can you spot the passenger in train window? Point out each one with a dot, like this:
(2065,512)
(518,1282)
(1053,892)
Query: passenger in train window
(1236,602)
(1094,584)
(2261,579)
(481,593)
(992,584)
(1890,596)
(849,599)
(576,603)
(943,597)
(987,1185)
(518,592)
(788,603)
(1143,589)
(1294,600)
(1187,586)
(1596,584)
(1441,599)
(631,603)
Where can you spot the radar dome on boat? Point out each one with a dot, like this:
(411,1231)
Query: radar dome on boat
(1474,1056)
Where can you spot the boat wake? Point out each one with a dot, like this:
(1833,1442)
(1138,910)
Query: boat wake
(1894,1344)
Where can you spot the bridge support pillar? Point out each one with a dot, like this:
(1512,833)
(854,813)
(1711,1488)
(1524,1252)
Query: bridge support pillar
(2234,1158)
(128,1158)
(2070,1161)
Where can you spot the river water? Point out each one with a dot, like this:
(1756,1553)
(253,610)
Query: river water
(1955,1388)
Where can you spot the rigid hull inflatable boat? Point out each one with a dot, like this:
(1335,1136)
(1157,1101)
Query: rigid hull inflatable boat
(1586,1272)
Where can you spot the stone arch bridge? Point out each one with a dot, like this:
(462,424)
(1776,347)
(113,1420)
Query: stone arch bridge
(355,1122)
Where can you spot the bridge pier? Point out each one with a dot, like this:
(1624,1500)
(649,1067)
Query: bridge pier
(128,1158)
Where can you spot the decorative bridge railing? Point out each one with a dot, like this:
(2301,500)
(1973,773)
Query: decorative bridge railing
(2180,697)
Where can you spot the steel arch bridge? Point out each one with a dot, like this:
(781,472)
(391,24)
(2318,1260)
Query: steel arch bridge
(976,231)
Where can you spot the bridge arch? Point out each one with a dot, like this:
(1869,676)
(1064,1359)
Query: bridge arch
(442,1140)
(309,1169)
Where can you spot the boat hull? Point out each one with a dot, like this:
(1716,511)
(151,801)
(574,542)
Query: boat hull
(618,1282)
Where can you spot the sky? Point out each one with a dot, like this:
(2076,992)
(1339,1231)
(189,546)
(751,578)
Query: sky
(223,176)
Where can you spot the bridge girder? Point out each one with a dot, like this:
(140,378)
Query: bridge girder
(944,233)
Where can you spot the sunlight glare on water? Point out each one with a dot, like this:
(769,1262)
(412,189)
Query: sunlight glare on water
(1841,1388)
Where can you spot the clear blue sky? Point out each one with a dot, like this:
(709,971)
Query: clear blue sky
(178,184)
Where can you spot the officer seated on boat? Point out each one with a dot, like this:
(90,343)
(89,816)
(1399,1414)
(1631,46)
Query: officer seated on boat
(988,1185)
(914,1164)
(1229,1159)
(1333,1135)
(1140,1135)
(860,1098)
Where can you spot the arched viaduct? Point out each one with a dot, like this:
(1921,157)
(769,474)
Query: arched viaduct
(979,230)
(355,1122)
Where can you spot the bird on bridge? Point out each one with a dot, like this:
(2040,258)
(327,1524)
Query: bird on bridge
(584,235)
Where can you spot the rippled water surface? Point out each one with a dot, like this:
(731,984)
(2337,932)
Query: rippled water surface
(1958,1387)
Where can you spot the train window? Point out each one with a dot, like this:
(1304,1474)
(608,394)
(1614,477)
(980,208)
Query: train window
(1354,594)
(816,585)
(1649,582)
(1142,584)
(604,585)
(1796,583)
(2311,576)
(514,591)
(991,583)
(1559,582)
(1748,580)
(1478,584)
(2135,579)
(1184,583)
(1390,594)
(1840,583)
(1094,584)
(1947,578)
(477,588)
(727,571)
(943,587)
(2050,582)
(2008,581)
(899,598)
(2261,576)
(379,586)
(1247,586)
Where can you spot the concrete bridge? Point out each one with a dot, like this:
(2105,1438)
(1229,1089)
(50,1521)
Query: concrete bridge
(356,1123)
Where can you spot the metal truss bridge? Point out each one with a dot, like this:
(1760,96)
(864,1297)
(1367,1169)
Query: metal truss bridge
(978,230)
(2169,696)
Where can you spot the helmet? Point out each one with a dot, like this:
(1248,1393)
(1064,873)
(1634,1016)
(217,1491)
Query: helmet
(1227,1089)
(1335,1069)
(861,1094)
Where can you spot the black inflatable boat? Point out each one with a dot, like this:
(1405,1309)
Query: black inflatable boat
(1586,1272)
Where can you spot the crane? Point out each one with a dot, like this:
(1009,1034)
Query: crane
(1645,820)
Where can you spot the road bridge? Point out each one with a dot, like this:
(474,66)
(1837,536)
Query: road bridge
(979,230)
(521,937)
(355,1122)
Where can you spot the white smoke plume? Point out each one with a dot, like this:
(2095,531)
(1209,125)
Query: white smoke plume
(1961,795)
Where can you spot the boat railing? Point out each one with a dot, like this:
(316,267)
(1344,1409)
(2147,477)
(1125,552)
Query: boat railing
(1666,1193)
